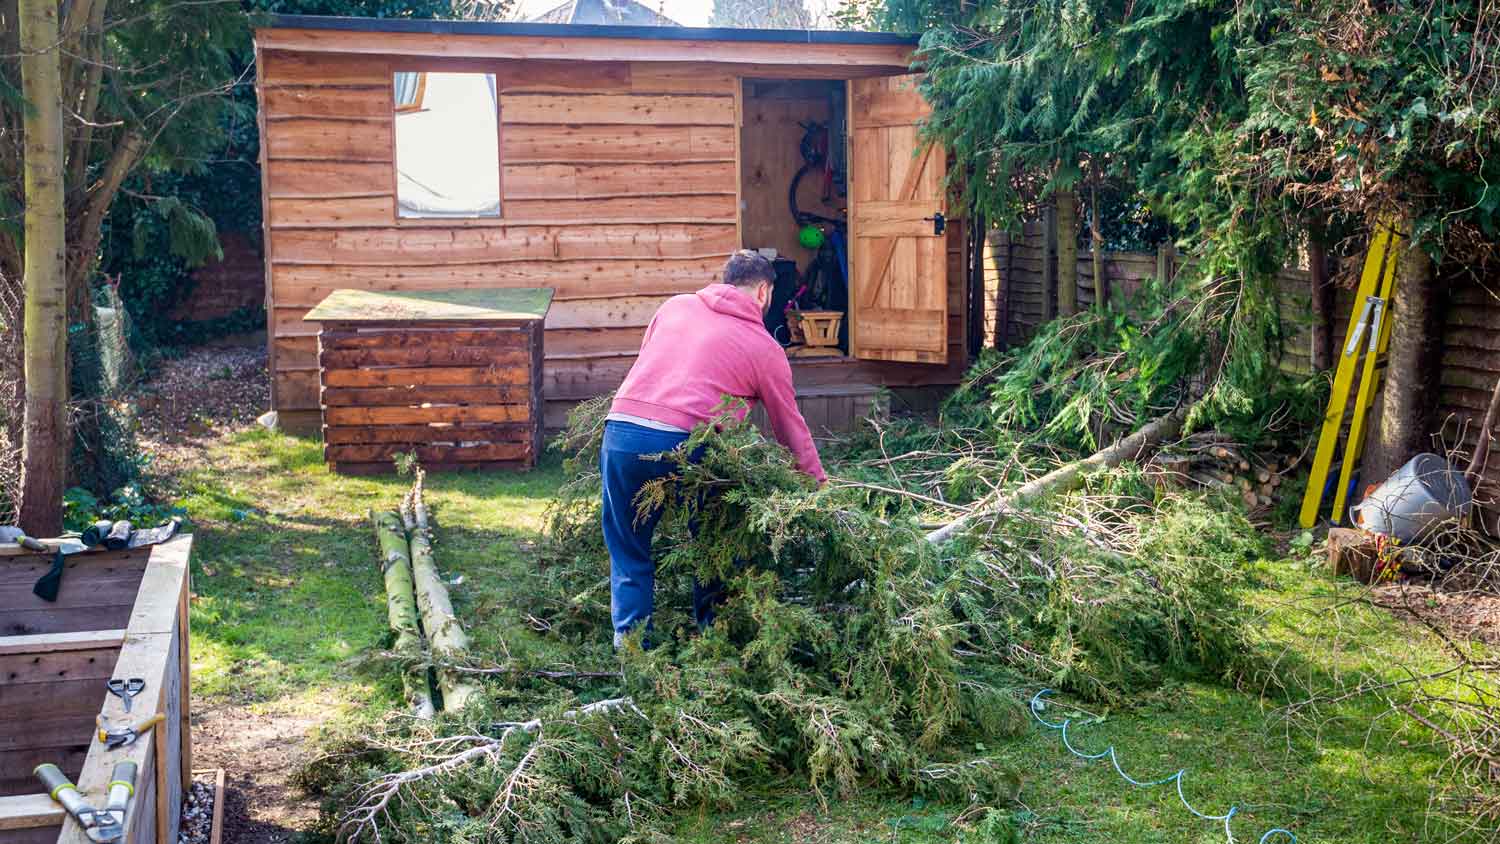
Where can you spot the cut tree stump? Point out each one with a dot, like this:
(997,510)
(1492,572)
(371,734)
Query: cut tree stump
(1353,552)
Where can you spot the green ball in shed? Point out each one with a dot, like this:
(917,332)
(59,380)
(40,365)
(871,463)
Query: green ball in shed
(811,237)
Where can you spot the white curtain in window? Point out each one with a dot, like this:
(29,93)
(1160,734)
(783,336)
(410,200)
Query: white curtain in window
(489,79)
(406,88)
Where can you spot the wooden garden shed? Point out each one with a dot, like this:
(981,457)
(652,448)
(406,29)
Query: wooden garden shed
(617,166)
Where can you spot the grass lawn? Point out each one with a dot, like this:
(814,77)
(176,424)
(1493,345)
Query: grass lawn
(289,601)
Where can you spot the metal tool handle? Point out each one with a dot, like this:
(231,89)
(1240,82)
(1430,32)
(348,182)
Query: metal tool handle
(62,789)
(121,786)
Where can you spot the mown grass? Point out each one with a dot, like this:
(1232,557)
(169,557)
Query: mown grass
(289,607)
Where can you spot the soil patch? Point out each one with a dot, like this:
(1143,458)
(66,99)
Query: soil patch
(259,752)
(1462,614)
(194,399)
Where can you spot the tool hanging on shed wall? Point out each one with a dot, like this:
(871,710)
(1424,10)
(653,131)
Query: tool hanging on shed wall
(1370,333)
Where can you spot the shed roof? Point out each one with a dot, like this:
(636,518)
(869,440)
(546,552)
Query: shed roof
(611,12)
(558,30)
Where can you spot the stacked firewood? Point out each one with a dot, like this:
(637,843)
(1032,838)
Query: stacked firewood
(1210,460)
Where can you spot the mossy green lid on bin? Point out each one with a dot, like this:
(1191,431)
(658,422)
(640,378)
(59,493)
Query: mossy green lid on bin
(514,304)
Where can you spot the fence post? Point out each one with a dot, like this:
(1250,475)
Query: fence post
(1049,263)
(1166,255)
(998,250)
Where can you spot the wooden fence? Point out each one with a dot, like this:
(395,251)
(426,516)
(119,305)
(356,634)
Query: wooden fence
(1019,271)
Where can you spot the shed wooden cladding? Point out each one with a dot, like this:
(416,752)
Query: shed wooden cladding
(620,185)
(457,381)
(119,614)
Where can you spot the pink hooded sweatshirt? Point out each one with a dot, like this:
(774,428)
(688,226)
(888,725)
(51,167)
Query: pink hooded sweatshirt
(703,346)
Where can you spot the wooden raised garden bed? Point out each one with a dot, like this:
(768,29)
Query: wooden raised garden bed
(453,376)
(119,614)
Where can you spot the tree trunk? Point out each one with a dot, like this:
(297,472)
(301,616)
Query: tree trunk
(1410,390)
(1096,246)
(1475,473)
(444,632)
(44,438)
(1067,253)
(1069,475)
(401,606)
(1322,303)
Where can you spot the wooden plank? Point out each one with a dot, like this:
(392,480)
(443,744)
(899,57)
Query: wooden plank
(20,702)
(327,101)
(565,343)
(29,811)
(43,666)
(433,433)
(78,569)
(511,242)
(624,311)
(60,731)
(499,337)
(155,608)
(289,212)
(882,107)
(308,285)
(593,181)
(416,395)
(897,218)
(716,207)
(336,416)
(895,58)
(275,68)
(83,640)
(386,468)
(338,140)
(40,620)
(328,179)
(465,453)
(585,144)
(452,376)
(432,356)
(84,591)
(17,767)
(294,390)
(630,109)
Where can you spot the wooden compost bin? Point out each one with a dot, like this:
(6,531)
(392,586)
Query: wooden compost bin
(452,375)
(119,614)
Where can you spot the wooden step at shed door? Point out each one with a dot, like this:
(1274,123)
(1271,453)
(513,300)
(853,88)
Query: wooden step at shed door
(898,263)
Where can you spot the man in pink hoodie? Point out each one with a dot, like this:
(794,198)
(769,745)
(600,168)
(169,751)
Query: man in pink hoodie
(699,348)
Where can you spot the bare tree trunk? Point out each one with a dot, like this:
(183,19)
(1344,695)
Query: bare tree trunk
(1322,302)
(44,439)
(1481,454)
(1410,390)
(1067,253)
(1096,245)
(1067,476)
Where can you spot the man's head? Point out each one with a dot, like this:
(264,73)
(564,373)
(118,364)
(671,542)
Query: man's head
(752,273)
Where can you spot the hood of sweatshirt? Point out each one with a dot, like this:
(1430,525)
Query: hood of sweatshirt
(728,299)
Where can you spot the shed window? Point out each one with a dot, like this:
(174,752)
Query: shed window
(447,145)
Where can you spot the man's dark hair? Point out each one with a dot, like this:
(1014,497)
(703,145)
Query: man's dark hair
(747,269)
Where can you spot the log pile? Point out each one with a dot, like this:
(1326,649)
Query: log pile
(1210,460)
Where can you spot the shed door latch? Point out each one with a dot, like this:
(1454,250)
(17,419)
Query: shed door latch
(939,222)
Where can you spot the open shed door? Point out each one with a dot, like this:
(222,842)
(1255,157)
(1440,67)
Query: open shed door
(898,262)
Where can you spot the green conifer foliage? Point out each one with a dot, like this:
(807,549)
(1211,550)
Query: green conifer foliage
(850,653)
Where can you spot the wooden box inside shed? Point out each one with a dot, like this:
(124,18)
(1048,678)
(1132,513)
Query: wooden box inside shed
(453,376)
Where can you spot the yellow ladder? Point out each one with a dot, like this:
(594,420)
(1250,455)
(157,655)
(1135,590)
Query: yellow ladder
(1369,332)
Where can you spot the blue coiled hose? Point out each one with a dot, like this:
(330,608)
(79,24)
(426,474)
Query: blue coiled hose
(1038,704)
